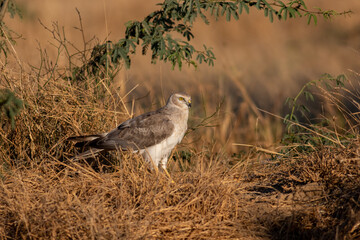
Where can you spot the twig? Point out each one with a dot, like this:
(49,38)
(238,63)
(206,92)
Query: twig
(3,9)
(258,149)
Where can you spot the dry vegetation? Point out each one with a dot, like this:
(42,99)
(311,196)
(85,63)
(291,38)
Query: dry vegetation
(220,191)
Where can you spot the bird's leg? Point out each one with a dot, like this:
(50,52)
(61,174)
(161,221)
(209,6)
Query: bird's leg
(163,166)
(151,163)
(154,167)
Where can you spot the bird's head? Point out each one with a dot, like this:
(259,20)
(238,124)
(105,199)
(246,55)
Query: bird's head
(181,100)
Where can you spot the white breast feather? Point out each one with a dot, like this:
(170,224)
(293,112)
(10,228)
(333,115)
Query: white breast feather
(163,149)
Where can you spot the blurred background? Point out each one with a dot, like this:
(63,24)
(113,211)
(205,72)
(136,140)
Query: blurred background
(258,64)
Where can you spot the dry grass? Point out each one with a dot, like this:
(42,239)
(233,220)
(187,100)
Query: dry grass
(312,194)
(220,190)
(313,197)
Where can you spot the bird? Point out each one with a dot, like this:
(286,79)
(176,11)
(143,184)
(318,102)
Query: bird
(153,135)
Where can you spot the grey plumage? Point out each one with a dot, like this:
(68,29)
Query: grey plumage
(152,134)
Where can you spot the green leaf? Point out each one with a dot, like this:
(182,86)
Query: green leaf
(223,10)
(328,86)
(311,16)
(246,8)
(146,27)
(217,12)
(211,62)
(281,4)
(271,17)
(286,118)
(240,7)
(258,5)
(235,14)
(315,19)
(294,119)
(137,33)
(289,101)
(267,4)
(304,110)
(285,13)
(188,13)
(340,80)
(302,3)
(293,12)
(308,96)
(228,15)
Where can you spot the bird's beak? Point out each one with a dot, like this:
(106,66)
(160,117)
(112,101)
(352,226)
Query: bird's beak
(189,103)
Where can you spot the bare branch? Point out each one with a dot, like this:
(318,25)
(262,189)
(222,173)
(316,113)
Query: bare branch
(3,9)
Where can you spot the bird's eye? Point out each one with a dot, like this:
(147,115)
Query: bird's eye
(181,98)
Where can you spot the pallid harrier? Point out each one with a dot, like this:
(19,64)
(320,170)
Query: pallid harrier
(153,134)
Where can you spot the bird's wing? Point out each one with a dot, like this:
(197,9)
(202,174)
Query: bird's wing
(138,133)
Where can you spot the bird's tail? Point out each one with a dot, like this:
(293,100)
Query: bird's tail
(84,138)
(82,142)
(92,152)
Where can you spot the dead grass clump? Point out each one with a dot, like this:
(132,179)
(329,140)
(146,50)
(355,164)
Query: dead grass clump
(54,110)
(316,196)
(77,202)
